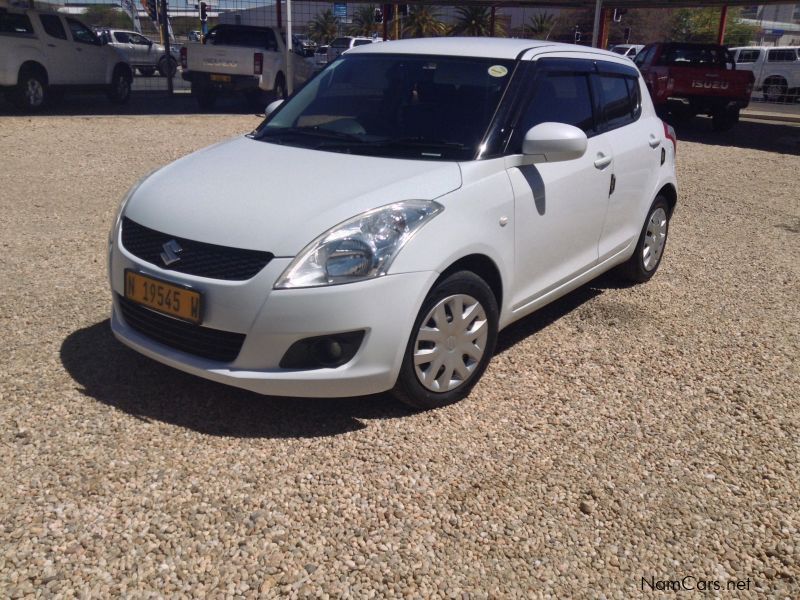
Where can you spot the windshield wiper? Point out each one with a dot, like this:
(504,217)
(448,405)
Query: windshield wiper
(410,142)
(315,131)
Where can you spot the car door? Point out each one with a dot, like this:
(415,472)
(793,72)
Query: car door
(559,206)
(122,42)
(636,140)
(91,56)
(146,52)
(61,63)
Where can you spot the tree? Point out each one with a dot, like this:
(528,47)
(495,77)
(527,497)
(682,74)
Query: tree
(104,15)
(364,21)
(324,27)
(476,21)
(541,25)
(702,25)
(423,21)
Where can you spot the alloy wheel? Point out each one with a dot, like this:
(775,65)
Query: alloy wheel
(34,92)
(654,239)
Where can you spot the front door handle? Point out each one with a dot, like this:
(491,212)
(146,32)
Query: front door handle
(654,141)
(602,160)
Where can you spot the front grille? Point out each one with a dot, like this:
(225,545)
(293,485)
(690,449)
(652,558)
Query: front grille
(222,346)
(196,258)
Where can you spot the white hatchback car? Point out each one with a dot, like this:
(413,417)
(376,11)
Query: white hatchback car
(379,227)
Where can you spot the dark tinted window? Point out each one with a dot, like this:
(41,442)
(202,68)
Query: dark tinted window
(748,56)
(560,98)
(620,100)
(14,23)
(53,27)
(689,55)
(785,55)
(81,33)
(361,42)
(248,37)
(343,42)
(644,56)
(122,37)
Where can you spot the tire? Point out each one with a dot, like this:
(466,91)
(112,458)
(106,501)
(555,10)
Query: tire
(724,119)
(206,97)
(167,66)
(649,251)
(279,92)
(774,89)
(31,92)
(147,71)
(119,92)
(417,384)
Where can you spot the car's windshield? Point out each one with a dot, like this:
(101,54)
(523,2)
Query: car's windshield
(406,106)
(620,49)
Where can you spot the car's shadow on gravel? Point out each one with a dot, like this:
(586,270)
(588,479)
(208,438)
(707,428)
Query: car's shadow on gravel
(113,374)
(756,135)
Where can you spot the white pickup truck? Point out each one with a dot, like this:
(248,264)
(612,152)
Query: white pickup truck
(45,53)
(241,58)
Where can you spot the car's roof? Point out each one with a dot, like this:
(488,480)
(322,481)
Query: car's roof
(501,48)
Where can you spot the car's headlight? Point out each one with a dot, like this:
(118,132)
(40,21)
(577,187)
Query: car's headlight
(360,248)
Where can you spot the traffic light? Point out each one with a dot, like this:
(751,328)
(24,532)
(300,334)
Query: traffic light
(203,12)
(152,9)
(378,15)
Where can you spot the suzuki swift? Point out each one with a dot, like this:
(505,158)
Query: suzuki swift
(381,226)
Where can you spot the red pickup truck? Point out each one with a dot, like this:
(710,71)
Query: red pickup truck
(691,79)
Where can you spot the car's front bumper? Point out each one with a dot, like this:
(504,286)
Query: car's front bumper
(385,308)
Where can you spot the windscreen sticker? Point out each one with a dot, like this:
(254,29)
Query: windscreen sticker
(498,71)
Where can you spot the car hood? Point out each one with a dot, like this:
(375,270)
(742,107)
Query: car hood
(256,195)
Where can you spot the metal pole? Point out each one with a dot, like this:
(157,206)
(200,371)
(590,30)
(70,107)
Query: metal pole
(491,23)
(385,22)
(723,22)
(165,36)
(278,15)
(289,61)
(598,6)
(603,35)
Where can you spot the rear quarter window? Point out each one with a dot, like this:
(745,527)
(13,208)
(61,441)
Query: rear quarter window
(619,99)
(783,55)
(15,23)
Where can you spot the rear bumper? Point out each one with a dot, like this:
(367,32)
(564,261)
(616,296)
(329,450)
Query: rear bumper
(234,83)
(704,104)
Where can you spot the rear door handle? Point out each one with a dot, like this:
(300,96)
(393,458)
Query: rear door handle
(654,141)
(51,45)
(602,160)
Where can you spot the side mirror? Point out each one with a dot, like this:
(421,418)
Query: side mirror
(272,106)
(555,141)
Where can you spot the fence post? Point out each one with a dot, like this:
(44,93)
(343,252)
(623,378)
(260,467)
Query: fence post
(723,22)
(168,56)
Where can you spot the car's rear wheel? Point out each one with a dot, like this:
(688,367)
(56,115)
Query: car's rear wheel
(280,91)
(451,343)
(30,93)
(775,89)
(119,92)
(167,66)
(651,245)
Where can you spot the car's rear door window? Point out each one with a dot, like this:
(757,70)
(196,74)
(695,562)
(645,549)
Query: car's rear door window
(619,97)
(15,23)
(748,56)
(782,55)
(53,27)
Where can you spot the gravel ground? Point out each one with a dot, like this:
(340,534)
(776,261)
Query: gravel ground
(620,434)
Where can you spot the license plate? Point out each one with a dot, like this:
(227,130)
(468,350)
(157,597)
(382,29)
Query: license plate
(174,300)
(221,78)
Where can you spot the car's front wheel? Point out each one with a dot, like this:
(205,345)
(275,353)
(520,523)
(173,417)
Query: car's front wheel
(167,66)
(652,241)
(31,91)
(451,343)
(119,92)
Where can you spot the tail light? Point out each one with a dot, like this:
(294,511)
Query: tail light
(184,58)
(669,133)
(258,63)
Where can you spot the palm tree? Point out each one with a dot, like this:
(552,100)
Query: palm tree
(476,21)
(542,24)
(364,21)
(324,27)
(423,21)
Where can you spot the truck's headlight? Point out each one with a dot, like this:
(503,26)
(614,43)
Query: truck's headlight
(360,248)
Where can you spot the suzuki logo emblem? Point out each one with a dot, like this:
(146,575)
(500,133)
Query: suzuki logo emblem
(170,253)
